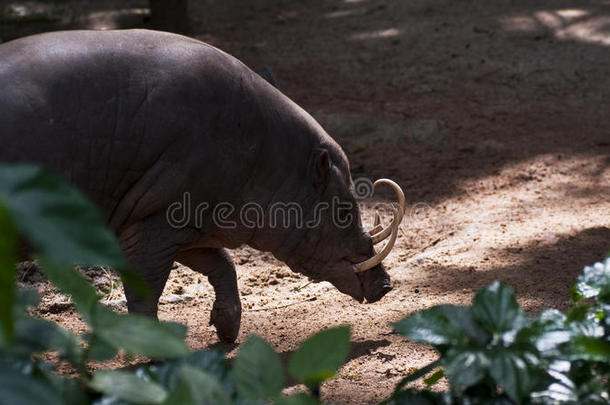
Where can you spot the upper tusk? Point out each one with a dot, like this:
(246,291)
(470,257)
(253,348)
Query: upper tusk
(376,235)
(375,260)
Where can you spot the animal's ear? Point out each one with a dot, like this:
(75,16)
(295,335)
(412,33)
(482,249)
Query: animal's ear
(321,166)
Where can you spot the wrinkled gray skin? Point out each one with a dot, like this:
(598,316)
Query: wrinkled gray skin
(137,118)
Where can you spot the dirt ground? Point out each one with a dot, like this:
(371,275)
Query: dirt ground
(493,116)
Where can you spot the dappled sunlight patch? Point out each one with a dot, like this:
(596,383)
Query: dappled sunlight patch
(565,24)
(377,34)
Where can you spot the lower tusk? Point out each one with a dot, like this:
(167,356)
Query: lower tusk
(375,230)
(375,260)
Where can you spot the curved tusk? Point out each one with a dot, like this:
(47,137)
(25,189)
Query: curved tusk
(375,260)
(377,220)
(402,207)
(375,230)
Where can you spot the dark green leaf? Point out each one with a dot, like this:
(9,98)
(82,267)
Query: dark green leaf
(516,373)
(25,298)
(297,399)
(196,387)
(590,348)
(72,283)
(496,309)
(434,378)
(19,389)
(70,389)
(465,368)
(56,219)
(8,258)
(436,326)
(99,350)
(138,334)
(412,397)
(258,370)
(417,374)
(208,361)
(41,335)
(128,387)
(593,279)
(319,357)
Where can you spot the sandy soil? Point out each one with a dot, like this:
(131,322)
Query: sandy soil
(493,116)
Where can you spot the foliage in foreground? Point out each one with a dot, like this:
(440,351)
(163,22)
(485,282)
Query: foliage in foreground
(490,352)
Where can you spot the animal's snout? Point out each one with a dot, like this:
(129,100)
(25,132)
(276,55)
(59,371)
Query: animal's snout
(375,283)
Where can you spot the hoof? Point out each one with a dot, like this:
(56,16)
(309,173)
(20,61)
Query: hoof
(226,319)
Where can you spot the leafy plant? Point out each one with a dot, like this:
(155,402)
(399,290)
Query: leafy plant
(492,353)
(64,229)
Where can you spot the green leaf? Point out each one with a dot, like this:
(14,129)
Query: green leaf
(42,335)
(208,361)
(434,378)
(590,348)
(19,389)
(412,397)
(258,370)
(515,372)
(496,308)
(435,326)
(196,387)
(70,389)
(465,368)
(99,350)
(138,334)
(320,356)
(71,282)
(417,374)
(59,222)
(8,256)
(128,386)
(592,280)
(296,399)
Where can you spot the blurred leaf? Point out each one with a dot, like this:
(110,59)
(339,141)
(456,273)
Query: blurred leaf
(412,397)
(320,356)
(69,389)
(8,258)
(417,374)
(127,386)
(465,368)
(590,348)
(59,222)
(24,298)
(258,370)
(435,326)
(99,350)
(496,308)
(592,280)
(138,334)
(515,372)
(296,399)
(434,378)
(71,282)
(41,335)
(196,387)
(20,389)
(209,361)
(546,334)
